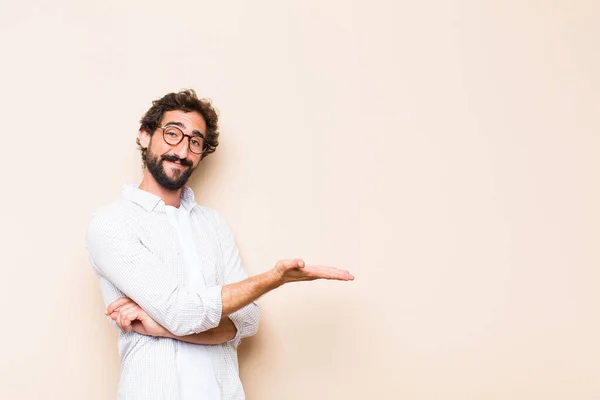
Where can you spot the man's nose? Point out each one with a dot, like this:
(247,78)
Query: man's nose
(181,150)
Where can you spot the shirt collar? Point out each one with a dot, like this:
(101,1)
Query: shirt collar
(149,201)
(187,200)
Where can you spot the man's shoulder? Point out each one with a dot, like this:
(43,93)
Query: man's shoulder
(118,215)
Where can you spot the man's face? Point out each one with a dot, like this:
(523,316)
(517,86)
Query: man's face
(172,165)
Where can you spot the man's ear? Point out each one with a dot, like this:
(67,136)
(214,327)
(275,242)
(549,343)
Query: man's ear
(144,138)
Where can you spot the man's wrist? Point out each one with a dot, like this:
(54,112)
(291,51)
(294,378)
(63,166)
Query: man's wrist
(166,333)
(274,278)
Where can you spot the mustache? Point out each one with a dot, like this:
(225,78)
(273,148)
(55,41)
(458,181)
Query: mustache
(173,158)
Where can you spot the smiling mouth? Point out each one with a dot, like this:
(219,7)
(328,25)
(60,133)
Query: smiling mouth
(175,163)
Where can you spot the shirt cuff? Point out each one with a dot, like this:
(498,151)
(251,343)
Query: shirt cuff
(213,307)
(239,325)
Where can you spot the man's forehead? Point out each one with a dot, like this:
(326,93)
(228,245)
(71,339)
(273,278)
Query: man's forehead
(190,120)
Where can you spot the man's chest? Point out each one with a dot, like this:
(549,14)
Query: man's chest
(164,240)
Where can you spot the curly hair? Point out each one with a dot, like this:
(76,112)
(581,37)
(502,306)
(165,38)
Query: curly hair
(186,101)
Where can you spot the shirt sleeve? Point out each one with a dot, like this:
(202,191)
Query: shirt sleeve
(117,254)
(247,318)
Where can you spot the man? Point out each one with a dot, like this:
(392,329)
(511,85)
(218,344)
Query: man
(170,270)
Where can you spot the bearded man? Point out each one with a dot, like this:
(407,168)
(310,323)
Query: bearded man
(170,270)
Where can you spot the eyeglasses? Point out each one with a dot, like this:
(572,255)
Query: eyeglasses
(173,136)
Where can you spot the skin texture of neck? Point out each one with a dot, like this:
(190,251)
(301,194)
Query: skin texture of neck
(149,184)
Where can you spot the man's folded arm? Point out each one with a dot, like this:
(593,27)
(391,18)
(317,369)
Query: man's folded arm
(118,255)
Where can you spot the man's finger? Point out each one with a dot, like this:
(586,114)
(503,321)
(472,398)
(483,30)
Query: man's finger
(118,321)
(119,310)
(294,263)
(126,320)
(125,308)
(324,272)
(122,316)
(116,304)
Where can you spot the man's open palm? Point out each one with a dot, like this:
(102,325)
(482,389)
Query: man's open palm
(295,270)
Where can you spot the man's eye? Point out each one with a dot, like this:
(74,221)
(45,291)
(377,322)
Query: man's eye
(195,142)
(171,133)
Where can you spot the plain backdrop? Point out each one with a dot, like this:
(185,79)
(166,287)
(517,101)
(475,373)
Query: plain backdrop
(446,153)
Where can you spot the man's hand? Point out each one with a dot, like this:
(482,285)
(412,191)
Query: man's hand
(295,271)
(130,317)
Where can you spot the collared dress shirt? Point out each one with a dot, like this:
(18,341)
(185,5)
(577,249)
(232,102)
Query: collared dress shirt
(135,252)
(195,371)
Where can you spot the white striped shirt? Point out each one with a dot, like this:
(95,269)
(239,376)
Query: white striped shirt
(135,252)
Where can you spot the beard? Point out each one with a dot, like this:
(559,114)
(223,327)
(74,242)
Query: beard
(154,163)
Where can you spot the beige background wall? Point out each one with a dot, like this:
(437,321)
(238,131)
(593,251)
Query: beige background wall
(444,152)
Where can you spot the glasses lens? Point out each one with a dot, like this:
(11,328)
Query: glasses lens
(196,144)
(173,135)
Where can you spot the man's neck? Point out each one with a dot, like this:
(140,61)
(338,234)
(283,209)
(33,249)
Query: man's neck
(149,184)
